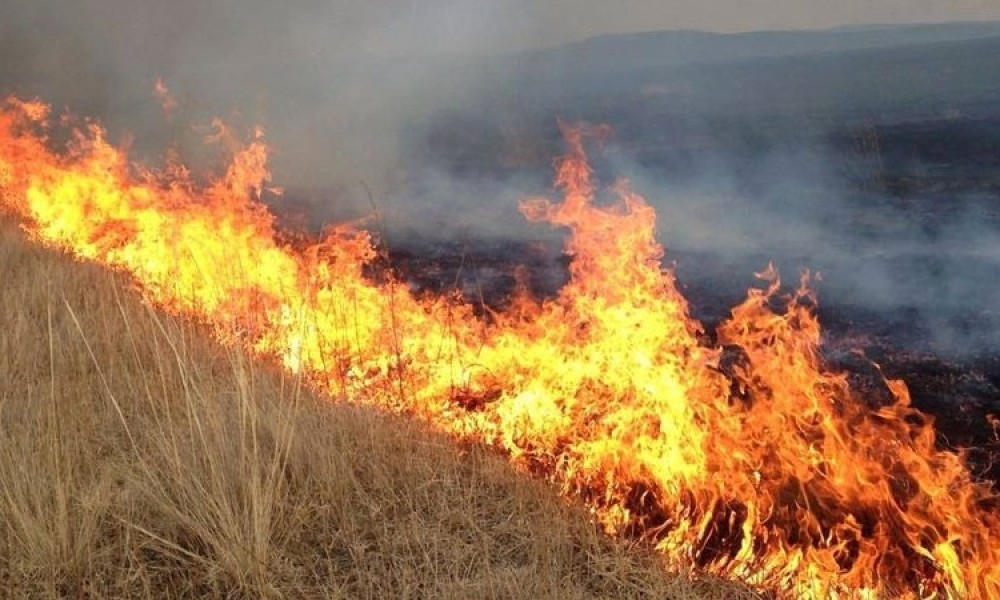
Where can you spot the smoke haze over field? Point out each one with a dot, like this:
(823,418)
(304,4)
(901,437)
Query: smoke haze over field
(338,84)
(334,84)
(752,146)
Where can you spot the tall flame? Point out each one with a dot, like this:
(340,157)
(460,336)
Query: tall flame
(749,458)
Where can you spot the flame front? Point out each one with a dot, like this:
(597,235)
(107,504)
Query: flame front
(749,459)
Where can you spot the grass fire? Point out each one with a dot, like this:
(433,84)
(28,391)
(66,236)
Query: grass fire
(736,452)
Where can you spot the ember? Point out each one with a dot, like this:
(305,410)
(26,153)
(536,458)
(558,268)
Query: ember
(748,457)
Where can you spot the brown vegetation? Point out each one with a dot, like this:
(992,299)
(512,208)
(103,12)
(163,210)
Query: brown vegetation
(137,459)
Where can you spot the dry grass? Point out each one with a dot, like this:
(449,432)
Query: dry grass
(139,460)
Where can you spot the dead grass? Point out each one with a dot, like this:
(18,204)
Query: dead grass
(139,460)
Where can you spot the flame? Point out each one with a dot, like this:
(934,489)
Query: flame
(746,458)
(167,101)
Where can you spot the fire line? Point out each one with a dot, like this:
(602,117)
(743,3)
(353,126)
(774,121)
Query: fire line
(748,459)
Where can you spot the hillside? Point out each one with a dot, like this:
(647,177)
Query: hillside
(138,460)
(702,47)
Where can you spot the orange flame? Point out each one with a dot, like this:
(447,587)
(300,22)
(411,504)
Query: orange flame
(167,101)
(749,459)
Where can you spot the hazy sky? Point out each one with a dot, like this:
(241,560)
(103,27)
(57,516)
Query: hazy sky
(572,18)
(326,29)
(485,25)
(513,24)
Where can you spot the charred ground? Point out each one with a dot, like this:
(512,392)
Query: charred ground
(906,220)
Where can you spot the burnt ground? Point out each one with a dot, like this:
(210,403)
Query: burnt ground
(962,393)
(904,224)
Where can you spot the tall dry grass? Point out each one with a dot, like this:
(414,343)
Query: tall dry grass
(139,460)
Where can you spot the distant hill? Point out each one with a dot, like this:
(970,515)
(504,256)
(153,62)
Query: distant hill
(891,73)
(686,47)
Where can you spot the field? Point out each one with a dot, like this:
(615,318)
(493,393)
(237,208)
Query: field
(139,460)
(551,371)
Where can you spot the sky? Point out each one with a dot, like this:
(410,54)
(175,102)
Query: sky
(569,19)
(483,26)
(404,27)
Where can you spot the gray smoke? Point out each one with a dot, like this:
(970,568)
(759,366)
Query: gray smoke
(336,85)
(445,112)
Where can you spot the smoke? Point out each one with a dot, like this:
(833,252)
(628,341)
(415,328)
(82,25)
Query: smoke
(436,110)
(875,166)
(917,271)
(338,87)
